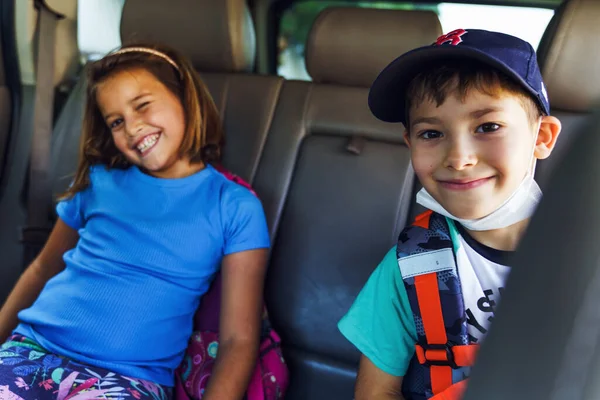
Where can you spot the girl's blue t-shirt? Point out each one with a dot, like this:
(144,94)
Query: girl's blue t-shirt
(147,252)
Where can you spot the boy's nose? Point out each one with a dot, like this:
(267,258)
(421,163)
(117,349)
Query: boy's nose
(460,155)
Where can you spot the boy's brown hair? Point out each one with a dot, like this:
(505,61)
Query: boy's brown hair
(203,137)
(458,77)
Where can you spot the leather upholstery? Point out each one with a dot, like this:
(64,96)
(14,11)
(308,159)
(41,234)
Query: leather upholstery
(570,56)
(570,62)
(335,214)
(6,108)
(571,127)
(65,140)
(350,46)
(217,35)
(246,104)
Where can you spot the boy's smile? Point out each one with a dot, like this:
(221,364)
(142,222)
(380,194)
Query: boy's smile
(471,155)
(463,184)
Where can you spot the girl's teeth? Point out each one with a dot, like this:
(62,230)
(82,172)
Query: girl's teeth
(147,143)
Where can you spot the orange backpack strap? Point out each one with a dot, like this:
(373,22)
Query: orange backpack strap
(438,354)
(454,392)
(422,220)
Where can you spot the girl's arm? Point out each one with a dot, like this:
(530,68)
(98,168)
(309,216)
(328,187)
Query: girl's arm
(241,310)
(47,264)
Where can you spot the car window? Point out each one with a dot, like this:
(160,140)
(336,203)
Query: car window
(528,23)
(96,16)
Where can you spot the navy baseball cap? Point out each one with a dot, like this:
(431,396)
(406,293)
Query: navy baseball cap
(513,56)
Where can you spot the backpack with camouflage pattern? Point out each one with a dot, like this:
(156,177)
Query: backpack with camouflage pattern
(444,354)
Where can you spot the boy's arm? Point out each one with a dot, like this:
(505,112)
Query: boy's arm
(381,325)
(47,264)
(374,384)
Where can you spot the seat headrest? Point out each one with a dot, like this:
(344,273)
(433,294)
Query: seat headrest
(569,56)
(350,46)
(216,35)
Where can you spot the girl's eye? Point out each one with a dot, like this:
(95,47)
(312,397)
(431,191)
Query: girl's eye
(428,135)
(115,124)
(142,105)
(487,128)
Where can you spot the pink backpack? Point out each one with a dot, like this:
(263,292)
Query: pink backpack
(271,376)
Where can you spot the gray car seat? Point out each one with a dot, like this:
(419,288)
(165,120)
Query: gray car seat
(569,57)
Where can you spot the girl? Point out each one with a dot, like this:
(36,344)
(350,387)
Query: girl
(106,308)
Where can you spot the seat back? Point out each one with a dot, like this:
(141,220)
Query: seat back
(336,184)
(6,112)
(218,37)
(569,57)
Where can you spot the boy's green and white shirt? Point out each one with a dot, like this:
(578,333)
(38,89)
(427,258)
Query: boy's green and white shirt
(380,323)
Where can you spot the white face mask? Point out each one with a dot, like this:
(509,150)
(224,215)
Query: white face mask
(518,207)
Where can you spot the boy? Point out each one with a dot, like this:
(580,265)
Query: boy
(476,117)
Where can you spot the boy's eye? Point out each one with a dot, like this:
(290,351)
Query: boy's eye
(487,128)
(428,135)
(115,124)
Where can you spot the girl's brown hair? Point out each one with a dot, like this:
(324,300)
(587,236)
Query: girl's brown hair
(203,137)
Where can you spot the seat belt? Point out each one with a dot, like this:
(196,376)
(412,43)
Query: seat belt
(39,191)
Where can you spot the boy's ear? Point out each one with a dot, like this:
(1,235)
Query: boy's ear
(546,139)
(406,136)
